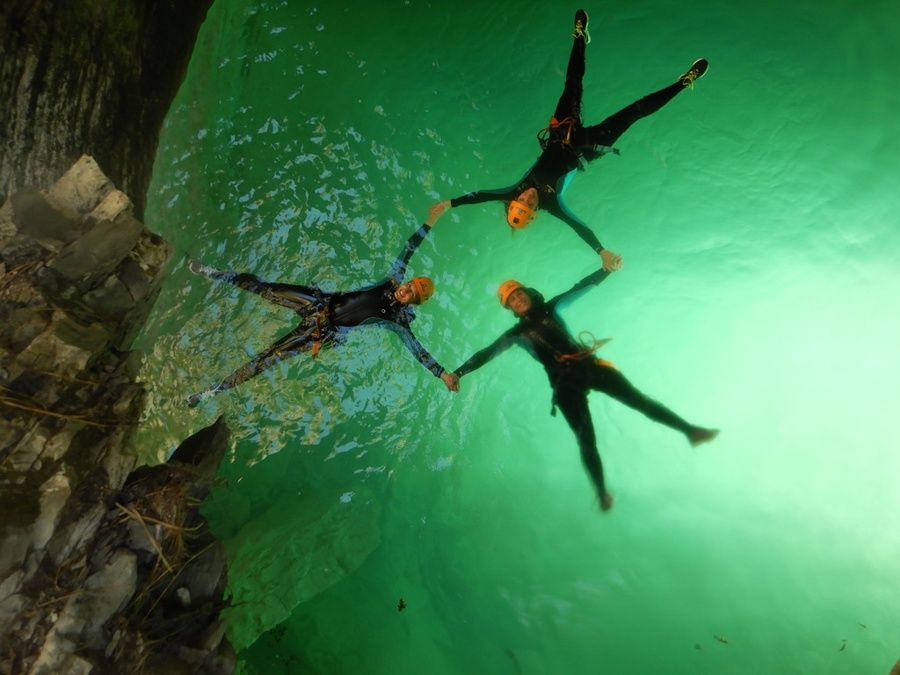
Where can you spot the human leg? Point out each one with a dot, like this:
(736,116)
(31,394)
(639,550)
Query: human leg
(609,130)
(300,339)
(580,30)
(611,382)
(293,296)
(569,105)
(572,402)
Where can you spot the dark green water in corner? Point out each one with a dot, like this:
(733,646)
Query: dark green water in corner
(757,216)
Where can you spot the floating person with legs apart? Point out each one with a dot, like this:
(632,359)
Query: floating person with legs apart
(326,317)
(568,145)
(573,370)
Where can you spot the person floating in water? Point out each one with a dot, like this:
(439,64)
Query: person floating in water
(568,145)
(573,370)
(325,318)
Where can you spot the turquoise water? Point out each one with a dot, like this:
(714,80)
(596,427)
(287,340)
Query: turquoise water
(757,216)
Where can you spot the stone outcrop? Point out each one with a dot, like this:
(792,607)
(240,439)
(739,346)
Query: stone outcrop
(98,561)
(89,77)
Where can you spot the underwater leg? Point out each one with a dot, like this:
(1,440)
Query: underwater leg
(573,403)
(292,296)
(298,340)
(611,382)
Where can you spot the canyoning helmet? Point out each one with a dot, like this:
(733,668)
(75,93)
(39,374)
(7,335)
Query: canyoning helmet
(424,288)
(519,214)
(507,288)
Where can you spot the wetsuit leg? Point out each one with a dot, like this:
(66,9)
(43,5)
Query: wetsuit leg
(298,340)
(612,383)
(609,130)
(573,403)
(570,102)
(292,296)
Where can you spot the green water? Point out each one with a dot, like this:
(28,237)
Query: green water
(757,216)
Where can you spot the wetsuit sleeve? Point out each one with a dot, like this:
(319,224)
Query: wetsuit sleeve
(481,196)
(578,289)
(398,268)
(412,343)
(582,230)
(497,347)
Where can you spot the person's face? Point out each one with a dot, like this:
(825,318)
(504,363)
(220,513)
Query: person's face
(519,301)
(529,198)
(406,294)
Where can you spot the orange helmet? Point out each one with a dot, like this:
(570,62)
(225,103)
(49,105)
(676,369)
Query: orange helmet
(424,288)
(507,288)
(519,214)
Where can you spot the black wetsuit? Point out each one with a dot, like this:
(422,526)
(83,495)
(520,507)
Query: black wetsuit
(326,317)
(573,372)
(569,146)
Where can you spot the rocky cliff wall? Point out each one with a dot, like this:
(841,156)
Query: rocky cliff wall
(103,568)
(89,77)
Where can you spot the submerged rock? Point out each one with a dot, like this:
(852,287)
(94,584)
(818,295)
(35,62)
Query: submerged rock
(320,540)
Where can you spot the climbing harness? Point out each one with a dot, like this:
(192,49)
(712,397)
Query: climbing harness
(591,345)
(554,129)
(323,316)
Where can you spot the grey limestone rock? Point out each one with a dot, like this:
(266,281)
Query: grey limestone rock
(93,336)
(100,250)
(36,217)
(111,301)
(19,508)
(114,204)
(81,188)
(10,606)
(107,592)
(54,493)
(78,274)
(75,534)
(27,449)
(47,349)
(135,279)
(81,621)
(7,226)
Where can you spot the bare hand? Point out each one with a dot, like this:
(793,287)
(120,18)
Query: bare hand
(606,501)
(451,380)
(436,211)
(611,261)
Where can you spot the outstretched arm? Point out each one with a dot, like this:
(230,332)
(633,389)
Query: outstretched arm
(578,289)
(478,197)
(415,347)
(398,268)
(611,261)
(481,357)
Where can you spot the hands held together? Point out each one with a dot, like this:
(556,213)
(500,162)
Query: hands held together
(451,380)
(611,261)
(436,211)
